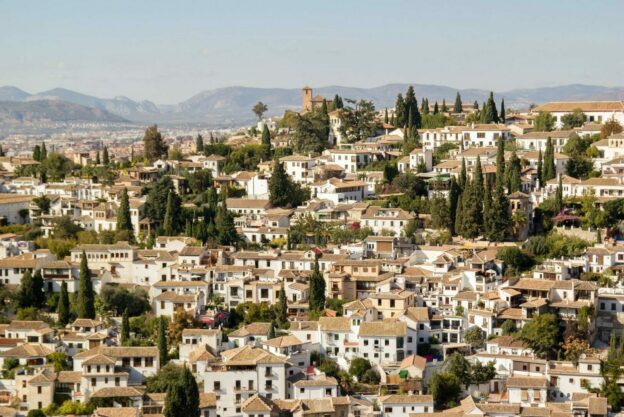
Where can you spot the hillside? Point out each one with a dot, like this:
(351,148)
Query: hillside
(52,111)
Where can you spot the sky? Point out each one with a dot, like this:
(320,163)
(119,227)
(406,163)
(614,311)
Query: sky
(167,51)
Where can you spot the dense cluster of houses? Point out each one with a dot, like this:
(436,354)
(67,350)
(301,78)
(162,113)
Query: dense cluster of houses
(404,307)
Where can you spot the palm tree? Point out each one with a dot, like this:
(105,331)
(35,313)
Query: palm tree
(518,220)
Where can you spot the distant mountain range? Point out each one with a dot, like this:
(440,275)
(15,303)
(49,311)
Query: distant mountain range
(231,106)
(40,112)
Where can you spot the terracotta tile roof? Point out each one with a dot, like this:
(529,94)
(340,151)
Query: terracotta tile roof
(382,329)
(586,106)
(406,399)
(252,329)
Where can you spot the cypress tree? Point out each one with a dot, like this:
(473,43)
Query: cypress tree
(225,228)
(472,219)
(37,153)
(199,144)
(487,211)
(514,181)
(63,306)
(337,102)
(37,289)
(459,214)
(1,151)
(559,196)
(191,397)
(153,144)
(386,120)
(458,106)
(175,400)
(168,221)
(272,331)
(475,105)
(435,108)
(105,156)
(399,111)
(86,297)
(124,220)
(549,170)
(540,168)
(25,295)
(280,186)
(444,108)
(411,104)
(266,141)
(463,175)
(393,121)
(125,328)
(316,299)
(163,350)
(502,111)
(282,308)
(491,114)
(425,106)
(454,192)
(44,151)
(499,217)
(478,179)
(98,160)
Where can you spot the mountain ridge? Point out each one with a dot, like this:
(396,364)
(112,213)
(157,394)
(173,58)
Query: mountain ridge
(231,106)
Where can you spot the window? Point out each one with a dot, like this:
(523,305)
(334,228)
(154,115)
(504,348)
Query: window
(39,390)
(149,361)
(216,386)
(93,381)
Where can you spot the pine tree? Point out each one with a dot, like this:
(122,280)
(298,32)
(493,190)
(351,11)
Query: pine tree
(549,171)
(514,181)
(282,307)
(399,111)
(125,328)
(124,220)
(386,120)
(502,111)
(86,297)
(540,168)
(105,156)
(163,350)
(44,152)
(458,106)
(316,298)
(63,307)
(199,144)
(37,153)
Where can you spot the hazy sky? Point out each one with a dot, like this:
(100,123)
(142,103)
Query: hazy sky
(168,51)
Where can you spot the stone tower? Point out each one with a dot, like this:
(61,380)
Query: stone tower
(306,99)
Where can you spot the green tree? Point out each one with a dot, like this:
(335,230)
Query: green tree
(124,220)
(445,389)
(44,151)
(266,141)
(169,228)
(440,213)
(549,171)
(502,111)
(458,365)
(282,307)
(337,102)
(542,335)
(63,306)
(411,106)
(490,112)
(226,230)
(509,327)
(498,223)
(154,145)
(259,109)
(453,201)
(199,143)
(514,181)
(86,298)
(458,106)
(105,156)
(610,127)
(575,119)
(37,153)
(359,367)
(316,298)
(31,290)
(540,168)
(357,122)
(444,109)
(163,350)
(474,337)
(125,328)
(400,114)
(544,122)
